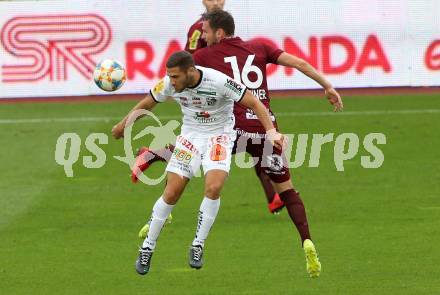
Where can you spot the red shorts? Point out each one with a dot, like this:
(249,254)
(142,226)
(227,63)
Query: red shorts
(268,159)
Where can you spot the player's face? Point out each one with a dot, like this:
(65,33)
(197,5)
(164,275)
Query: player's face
(212,5)
(179,78)
(209,35)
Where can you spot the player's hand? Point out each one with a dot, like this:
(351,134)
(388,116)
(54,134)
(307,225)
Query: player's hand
(118,130)
(334,98)
(277,139)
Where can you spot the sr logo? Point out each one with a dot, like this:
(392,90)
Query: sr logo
(45,45)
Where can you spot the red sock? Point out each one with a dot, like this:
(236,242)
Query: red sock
(297,213)
(267,185)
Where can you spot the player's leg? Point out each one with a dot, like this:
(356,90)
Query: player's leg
(214,180)
(161,210)
(297,212)
(145,157)
(275,165)
(295,207)
(217,154)
(274,202)
(245,144)
(183,164)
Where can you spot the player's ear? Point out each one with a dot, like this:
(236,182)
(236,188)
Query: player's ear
(191,70)
(220,34)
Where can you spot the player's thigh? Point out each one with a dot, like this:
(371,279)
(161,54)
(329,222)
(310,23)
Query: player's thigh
(186,158)
(271,162)
(218,153)
(214,181)
(174,188)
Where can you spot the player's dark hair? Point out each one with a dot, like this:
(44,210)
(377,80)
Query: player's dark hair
(220,19)
(181,59)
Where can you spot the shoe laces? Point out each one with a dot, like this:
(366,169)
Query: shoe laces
(197,252)
(145,255)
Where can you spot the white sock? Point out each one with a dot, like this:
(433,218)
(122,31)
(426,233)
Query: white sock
(161,210)
(207,214)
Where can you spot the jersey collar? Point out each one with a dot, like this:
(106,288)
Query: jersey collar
(198,82)
(230,39)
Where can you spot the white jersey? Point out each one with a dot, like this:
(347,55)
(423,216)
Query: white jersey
(208,106)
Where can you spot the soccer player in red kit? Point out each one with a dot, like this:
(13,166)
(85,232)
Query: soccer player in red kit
(246,61)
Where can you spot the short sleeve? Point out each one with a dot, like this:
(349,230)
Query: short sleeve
(272,53)
(161,90)
(231,89)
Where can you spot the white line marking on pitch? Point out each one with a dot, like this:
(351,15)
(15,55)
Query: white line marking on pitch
(168,117)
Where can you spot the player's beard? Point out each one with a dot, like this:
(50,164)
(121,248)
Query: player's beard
(187,83)
(179,90)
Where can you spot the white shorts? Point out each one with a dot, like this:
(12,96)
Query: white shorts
(195,149)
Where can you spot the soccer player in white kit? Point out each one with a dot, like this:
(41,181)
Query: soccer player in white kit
(206,97)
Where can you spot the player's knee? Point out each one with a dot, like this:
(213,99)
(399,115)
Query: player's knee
(171,195)
(281,187)
(213,189)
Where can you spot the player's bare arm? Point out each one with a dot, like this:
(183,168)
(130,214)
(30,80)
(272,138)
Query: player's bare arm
(251,102)
(307,69)
(146,103)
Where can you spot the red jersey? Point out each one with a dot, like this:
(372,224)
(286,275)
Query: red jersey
(194,39)
(245,61)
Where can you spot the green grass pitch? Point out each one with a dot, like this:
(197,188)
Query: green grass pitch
(377,230)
